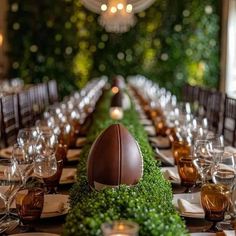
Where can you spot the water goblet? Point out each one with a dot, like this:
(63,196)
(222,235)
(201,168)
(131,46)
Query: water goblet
(29,204)
(10,182)
(187,172)
(23,162)
(202,159)
(214,200)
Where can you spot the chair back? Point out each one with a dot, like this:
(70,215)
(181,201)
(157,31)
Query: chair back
(10,119)
(52,91)
(229,121)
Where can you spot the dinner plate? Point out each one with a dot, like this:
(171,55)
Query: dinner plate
(34,234)
(193,198)
(58,202)
(66,176)
(202,234)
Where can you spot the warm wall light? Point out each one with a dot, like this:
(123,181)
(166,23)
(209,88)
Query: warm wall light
(103,7)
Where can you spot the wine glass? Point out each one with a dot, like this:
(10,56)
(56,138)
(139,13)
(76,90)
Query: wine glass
(202,158)
(216,147)
(10,183)
(187,172)
(22,161)
(224,173)
(214,200)
(45,163)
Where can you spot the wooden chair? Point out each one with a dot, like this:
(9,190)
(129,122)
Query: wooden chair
(190,94)
(214,111)
(10,119)
(52,91)
(25,109)
(203,96)
(229,121)
(35,102)
(42,96)
(2,141)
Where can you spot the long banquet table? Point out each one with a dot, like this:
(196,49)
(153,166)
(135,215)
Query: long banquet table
(56,224)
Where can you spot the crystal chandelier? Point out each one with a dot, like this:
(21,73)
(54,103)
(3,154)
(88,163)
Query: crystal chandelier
(117,16)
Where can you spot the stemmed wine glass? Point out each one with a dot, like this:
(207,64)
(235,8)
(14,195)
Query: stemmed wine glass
(216,147)
(202,159)
(10,183)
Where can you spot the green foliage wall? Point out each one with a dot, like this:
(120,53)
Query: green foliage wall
(173,41)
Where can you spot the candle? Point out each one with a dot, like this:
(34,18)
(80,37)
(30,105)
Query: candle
(116,113)
(120,228)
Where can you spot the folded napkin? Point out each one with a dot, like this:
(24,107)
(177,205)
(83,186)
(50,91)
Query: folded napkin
(185,207)
(230,149)
(166,156)
(6,152)
(160,142)
(229,232)
(68,174)
(53,205)
(80,142)
(145,122)
(150,130)
(171,175)
(73,154)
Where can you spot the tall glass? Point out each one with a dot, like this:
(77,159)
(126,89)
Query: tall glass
(10,183)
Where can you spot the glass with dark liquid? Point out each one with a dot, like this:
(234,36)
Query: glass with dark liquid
(29,205)
(187,172)
(214,200)
(180,149)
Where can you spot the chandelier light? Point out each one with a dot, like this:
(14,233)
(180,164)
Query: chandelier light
(117,16)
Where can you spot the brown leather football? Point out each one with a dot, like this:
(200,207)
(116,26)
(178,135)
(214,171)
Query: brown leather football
(114,159)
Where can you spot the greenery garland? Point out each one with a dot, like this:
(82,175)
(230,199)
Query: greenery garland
(149,203)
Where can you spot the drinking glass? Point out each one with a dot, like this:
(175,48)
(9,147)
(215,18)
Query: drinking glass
(214,200)
(120,227)
(22,161)
(187,172)
(202,158)
(225,173)
(10,182)
(180,148)
(29,205)
(216,147)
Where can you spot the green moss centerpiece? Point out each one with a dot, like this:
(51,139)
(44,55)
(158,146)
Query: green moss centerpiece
(148,203)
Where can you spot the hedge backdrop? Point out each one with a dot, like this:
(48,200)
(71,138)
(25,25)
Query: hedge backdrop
(173,41)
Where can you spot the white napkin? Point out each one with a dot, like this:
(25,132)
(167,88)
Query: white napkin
(52,204)
(150,130)
(73,154)
(229,232)
(80,142)
(171,175)
(230,149)
(160,142)
(185,207)
(166,156)
(145,122)
(68,174)
(6,152)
